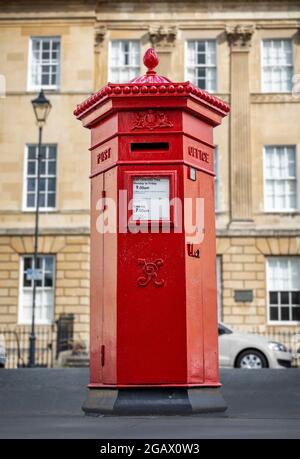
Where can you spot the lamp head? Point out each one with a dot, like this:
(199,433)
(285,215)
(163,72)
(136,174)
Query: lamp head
(41,106)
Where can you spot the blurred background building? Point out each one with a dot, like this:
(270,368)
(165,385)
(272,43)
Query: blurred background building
(245,52)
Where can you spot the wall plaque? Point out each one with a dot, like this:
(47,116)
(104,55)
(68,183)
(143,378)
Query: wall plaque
(243,296)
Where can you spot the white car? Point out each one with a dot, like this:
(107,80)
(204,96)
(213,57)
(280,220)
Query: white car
(2,352)
(242,350)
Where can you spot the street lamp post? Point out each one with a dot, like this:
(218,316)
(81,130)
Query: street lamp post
(41,106)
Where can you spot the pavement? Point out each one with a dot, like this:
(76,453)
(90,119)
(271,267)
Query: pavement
(46,403)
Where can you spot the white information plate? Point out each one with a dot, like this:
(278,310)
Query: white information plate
(34,274)
(151,198)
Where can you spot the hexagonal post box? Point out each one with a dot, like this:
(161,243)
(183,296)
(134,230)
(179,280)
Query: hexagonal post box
(153,302)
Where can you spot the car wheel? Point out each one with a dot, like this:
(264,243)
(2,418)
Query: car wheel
(251,359)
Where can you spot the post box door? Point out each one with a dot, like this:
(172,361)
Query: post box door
(96,282)
(103,282)
(151,286)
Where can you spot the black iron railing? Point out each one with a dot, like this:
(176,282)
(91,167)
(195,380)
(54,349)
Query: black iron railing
(50,341)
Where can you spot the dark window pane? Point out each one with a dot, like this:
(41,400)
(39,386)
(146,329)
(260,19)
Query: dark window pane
(273,313)
(51,184)
(48,280)
(53,79)
(39,262)
(45,69)
(285,313)
(39,265)
(26,282)
(31,184)
(201,58)
(30,200)
(46,55)
(31,167)
(42,184)
(45,79)
(27,265)
(51,200)
(55,45)
(49,263)
(201,46)
(284,297)
(46,45)
(201,84)
(273,297)
(43,151)
(31,152)
(52,167)
(43,167)
(201,73)
(42,200)
(52,152)
(296,313)
(295,297)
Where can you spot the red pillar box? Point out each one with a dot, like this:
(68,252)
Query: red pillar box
(154,340)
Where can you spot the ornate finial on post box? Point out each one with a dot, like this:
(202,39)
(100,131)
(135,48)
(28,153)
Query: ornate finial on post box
(151,60)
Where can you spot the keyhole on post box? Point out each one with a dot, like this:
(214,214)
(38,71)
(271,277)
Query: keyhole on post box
(102,352)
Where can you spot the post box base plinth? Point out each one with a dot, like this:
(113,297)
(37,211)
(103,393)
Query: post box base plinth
(154,401)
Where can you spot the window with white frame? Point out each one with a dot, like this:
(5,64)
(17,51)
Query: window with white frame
(280,178)
(47,177)
(44,311)
(44,63)
(277,65)
(216,167)
(284,289)
(201,64)
(124,60)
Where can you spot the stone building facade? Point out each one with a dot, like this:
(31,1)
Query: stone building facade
(247,53)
